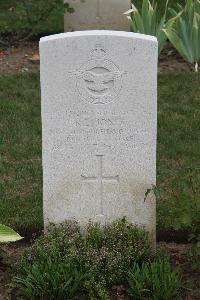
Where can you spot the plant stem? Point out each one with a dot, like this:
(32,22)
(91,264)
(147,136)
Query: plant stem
(196,67)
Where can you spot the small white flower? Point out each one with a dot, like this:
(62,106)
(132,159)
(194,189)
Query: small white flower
(129,18)
(130,11)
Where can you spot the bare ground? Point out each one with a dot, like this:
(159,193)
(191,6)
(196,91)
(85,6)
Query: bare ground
(24,57)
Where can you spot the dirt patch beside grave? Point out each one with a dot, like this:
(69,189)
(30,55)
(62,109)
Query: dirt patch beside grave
(24,57)
(9,256)
(179,255)
(170,60)
(20,58)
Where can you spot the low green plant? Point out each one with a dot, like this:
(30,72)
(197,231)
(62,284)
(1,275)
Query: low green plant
(7,234)
(184,33)
(147,21)
(65,261)
(52,279)
(154,281)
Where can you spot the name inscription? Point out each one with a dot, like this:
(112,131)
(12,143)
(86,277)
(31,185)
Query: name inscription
(100,130)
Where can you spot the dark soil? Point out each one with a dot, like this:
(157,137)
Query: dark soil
(9,256)
(170,60)
(178,254)
(24,57)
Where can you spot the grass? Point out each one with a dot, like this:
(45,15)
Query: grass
(178,153)
(20,148)
(178,194)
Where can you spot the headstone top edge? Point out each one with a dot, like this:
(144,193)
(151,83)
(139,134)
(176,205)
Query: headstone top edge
(86,33)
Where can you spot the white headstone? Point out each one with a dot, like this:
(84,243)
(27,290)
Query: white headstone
(97,14)
(99,126)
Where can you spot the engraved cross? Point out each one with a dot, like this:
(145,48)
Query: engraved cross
(100,179)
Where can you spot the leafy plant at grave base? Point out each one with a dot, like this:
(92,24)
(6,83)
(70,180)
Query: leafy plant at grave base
(51,279)
(31,16)
(154,281)
(67,262)
(185,32)
(147,21)
(7,234)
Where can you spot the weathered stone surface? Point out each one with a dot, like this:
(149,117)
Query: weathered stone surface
(97,14)
(99,126)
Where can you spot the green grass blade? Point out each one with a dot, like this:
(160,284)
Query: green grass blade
(139,23)
(144,13)
(196,37)
(154,20)
(161,40)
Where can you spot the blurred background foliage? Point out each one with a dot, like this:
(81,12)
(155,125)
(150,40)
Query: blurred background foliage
(39,17)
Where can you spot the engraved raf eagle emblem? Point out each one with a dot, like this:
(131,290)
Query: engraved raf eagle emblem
(99,80)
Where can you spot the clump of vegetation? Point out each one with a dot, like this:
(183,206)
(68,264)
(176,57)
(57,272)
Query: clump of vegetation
(182,28)
(154,281)
(185,32)
(147,20)
(65,261)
